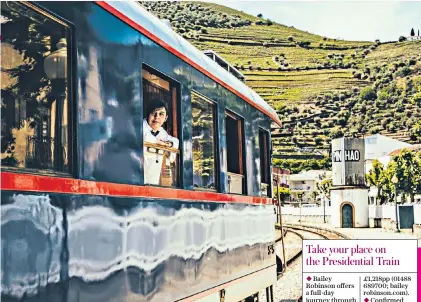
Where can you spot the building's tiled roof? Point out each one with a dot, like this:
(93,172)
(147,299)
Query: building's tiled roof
(413,148)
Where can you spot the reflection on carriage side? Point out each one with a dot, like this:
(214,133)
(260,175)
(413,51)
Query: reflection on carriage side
(204,143)
(34,89)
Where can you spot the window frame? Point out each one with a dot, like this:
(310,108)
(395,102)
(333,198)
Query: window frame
(175,98)
(216,142)
(175,91)
(241,145)
(70,86)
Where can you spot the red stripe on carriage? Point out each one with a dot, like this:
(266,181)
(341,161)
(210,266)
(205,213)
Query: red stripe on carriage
(37,183)
(168,47)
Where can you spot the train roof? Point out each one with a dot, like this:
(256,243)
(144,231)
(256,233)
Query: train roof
(139,18)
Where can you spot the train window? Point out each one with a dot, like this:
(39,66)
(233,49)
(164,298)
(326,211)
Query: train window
(34,86)
(235,154)
(160,135)
(264,163)
(204,143)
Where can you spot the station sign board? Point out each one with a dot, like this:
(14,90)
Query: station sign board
(348,162)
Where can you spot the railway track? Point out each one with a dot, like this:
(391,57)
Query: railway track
(290,279)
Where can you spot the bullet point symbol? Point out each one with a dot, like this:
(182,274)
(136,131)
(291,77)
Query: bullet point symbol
(366,300)
(309,279)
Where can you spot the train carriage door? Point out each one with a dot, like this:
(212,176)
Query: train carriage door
(235,153)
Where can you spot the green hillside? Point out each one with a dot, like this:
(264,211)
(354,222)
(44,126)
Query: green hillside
(322,88)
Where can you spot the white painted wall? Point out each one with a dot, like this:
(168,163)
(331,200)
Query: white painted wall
(358,197)
(310,214)
(388,211)
(417,214)
(311,211)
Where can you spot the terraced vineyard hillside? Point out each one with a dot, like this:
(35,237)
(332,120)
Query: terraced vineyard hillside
(322,88)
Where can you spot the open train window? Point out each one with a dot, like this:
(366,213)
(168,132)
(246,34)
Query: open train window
(35,90)
(160,129)
(235,153)
(264,163)
(204,140)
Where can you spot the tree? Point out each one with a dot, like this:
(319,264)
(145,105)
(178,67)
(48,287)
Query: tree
(418,33)
(386,185)
(412,32)
(284,193)
(416,131)
(374,178)
(314,195)
(407,166)
(402,39)
(324,188)
(259,16)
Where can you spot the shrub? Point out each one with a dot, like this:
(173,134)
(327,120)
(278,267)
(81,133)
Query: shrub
(290,38)
(403,72)
(358,75)
(304,43)
(336,133)
(402,39)
(368,94)
(412,62)
(375,129)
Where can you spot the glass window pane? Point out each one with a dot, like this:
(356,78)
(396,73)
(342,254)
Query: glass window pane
(203,143)
(264,163)
(34,89)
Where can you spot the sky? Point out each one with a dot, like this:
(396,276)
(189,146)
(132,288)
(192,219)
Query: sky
(348,20)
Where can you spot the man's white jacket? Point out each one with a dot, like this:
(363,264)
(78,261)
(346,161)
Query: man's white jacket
(153,161)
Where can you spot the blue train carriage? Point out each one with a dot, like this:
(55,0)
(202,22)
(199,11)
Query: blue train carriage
(81,217)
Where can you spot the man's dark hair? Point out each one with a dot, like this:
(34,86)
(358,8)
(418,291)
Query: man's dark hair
(155,104)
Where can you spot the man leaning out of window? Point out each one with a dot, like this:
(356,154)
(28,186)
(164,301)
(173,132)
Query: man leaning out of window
(153,132)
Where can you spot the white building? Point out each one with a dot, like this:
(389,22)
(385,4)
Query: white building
(385,148)
(306,182)
(378,147)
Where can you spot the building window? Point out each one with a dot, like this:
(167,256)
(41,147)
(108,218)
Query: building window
(34,89)
(235,154)
(160,130)
(204,143)
(264,163)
